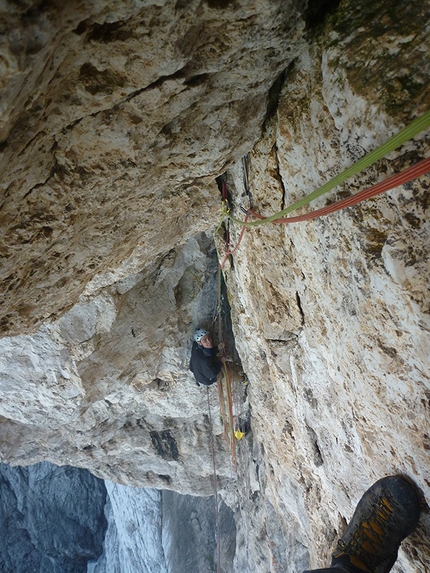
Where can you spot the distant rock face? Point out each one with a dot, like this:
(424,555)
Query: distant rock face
(153,531)
(116,122)
(190,534)
(64,520)
(133,539)
(51,519)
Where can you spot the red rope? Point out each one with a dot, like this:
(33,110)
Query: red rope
(224,190)
(215,485)
(401,178)
(231,252)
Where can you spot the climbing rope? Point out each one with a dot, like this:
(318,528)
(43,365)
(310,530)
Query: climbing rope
(224,193)
(226,394)
(230,251)
(421,168)
(225,398)
(225,402)
(391,144)
(215,484)
(392,182)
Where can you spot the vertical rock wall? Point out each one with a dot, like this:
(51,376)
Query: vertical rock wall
(51,518)
(133,538)
(116,120)
(338,307)
(190,534)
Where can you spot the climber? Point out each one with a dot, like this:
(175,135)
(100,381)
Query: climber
(205,363)
(386,514)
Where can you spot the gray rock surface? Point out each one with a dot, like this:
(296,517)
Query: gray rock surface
(58,392)
(116,118)
(190,534)
(51,519)
(64,520)
(153,531)
(133,539)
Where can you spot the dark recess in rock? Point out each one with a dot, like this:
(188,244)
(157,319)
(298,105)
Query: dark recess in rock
(317,11)
(165,444)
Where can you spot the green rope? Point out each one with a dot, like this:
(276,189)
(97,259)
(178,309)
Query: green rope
(394,142)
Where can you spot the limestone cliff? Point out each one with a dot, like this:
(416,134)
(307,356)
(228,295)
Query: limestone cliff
(64,520)
(117,115)
(51,519)
(116,119)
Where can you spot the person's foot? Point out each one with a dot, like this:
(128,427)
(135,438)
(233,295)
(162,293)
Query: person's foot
(386,514)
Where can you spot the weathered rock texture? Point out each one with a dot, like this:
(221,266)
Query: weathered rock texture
(190,534)
(116,121)
(338,307)
(55,520)
(52,519)
(115,118)
(106,386)
(133,539)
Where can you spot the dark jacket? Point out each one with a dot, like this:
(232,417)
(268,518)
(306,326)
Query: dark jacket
(205,368)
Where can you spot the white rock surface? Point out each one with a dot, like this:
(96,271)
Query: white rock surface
(133,539)
(107,386)
(107,189)
(338,308)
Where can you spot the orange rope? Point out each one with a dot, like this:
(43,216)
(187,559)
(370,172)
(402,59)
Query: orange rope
(215,486)
(225,399)
(401,178)
(231,252)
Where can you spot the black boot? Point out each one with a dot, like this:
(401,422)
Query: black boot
(386,514)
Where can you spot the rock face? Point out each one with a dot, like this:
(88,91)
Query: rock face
(338,307)
(51,518)
(58,519)
(164,532)
(150,427)
(133,539)
(116,121)
(190,532)
(116,118)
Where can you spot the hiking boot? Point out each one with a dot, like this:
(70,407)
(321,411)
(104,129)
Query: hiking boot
(386,514)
